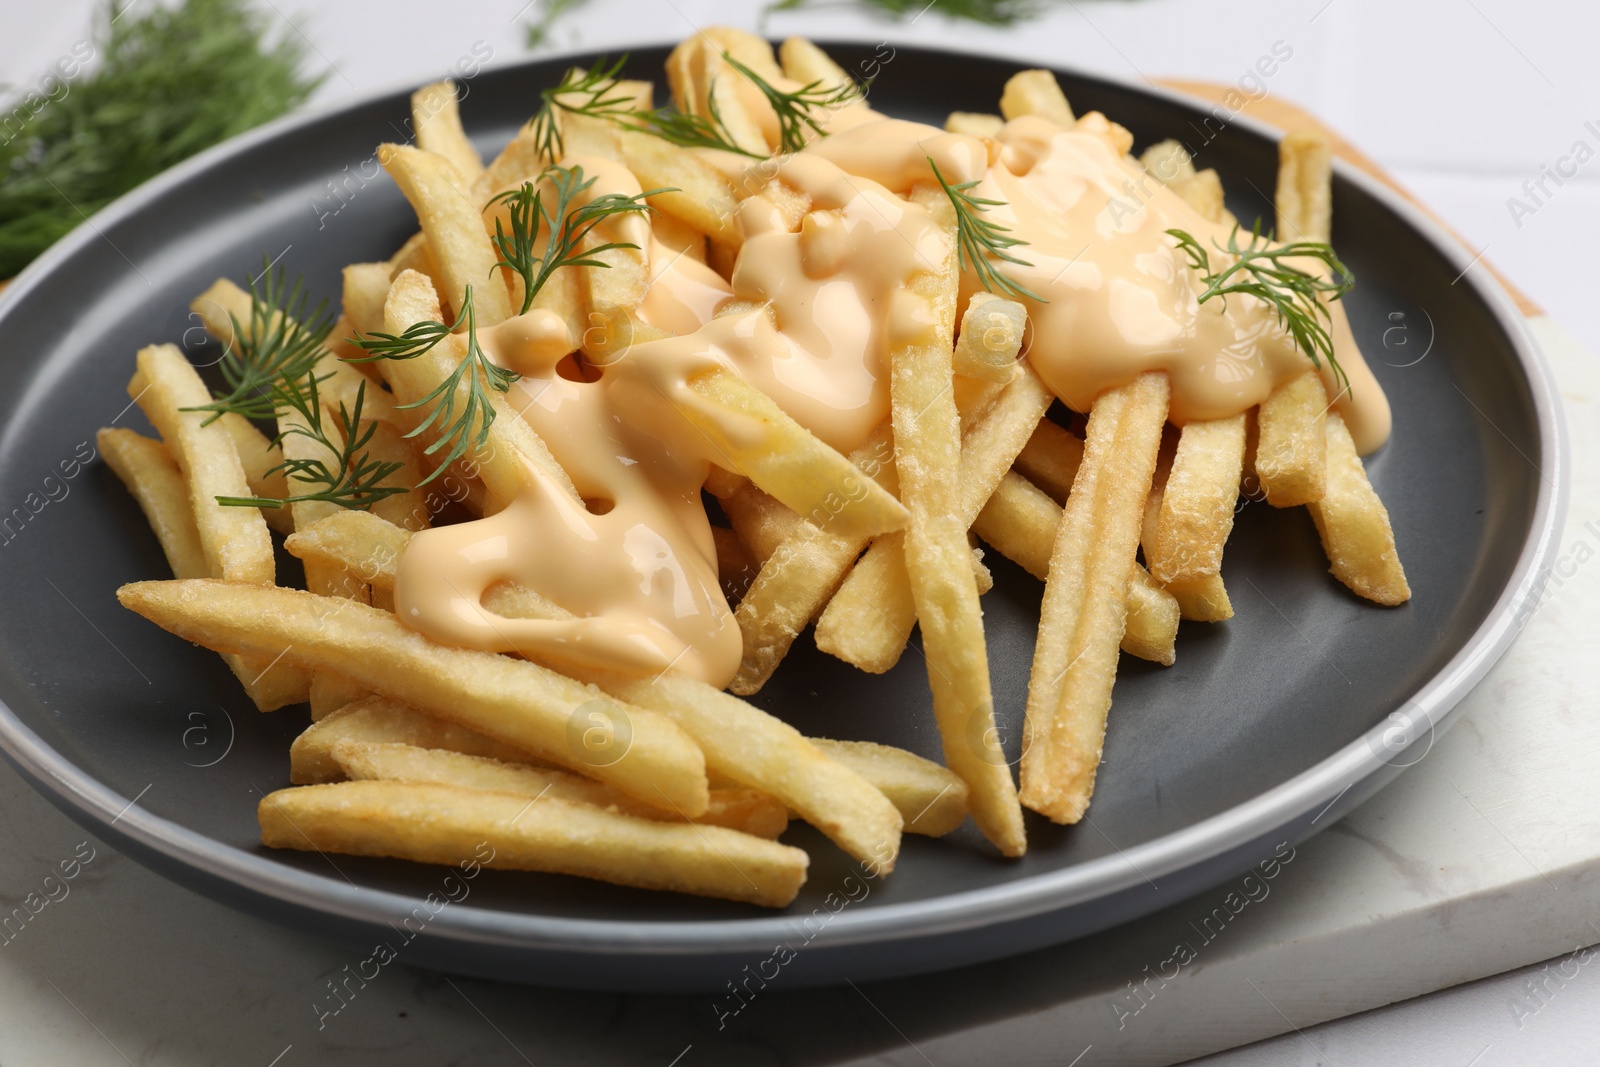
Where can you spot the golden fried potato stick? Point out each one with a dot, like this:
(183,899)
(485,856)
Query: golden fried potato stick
(1354,525)
(704,84)
(973,123)
(441,824)
(499,462)
(1305,187)
(991,338)
(1036,92)
(869,620)
(1199,501)
(1020,522)
(151,476)
(1169,163)
(1291,443)
(760,522)
(736,568)
(454,228)
(1050,459)
(744,810)
(365,287)
(436,118)
(1201,598)
(928,458)
(804,62)
(931,798)
(1085,608)
(379,720)
(740,742)
(648,756)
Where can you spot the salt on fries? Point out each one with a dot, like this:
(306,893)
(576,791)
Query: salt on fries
(516,624)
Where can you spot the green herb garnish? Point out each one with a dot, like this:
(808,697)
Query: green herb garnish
(529,214)
(977,239)
(1259,269)
(457,430)
(167,83)
(987,12)
(795,109)
(349,477)
(282,345)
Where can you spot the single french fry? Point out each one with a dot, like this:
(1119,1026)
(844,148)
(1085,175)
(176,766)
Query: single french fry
(1291,442)
(455,231)
(436,117)
(1085,606)
(152,477)
(499,462)
(379,720)
(1203,192)
(937,557)
(761,523)
(803,62)
(931,799)
(441,824)
(410,508)
(366,287)
(1354,525)
(704,84)
(990,338)
(700,195)
(1050,459)
(331,692)
(869,620)
(1200,597)
(521,703)
(744,810)
(1168,162)
(973,123)
(1199,500)
(1305,187)
(1036,92)
(236,542)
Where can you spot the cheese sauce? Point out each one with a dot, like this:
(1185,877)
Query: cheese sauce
(820,305)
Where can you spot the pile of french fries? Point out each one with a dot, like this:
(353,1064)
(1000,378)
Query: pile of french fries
(424,752)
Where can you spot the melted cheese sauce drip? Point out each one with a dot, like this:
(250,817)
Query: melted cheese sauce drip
(634,559)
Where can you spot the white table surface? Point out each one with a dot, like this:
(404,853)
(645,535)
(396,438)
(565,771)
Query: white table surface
(1463,100)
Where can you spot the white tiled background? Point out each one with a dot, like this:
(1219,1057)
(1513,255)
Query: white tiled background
(1462,100)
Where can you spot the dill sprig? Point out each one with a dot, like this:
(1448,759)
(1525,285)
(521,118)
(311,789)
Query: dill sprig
(986,12)
(529,214)
(168,81)
(282,344)
(977,239)
(1261,269)
(458,430)
(349,476)
(796,110)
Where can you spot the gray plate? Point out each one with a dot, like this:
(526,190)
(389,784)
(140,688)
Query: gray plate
(1268,728)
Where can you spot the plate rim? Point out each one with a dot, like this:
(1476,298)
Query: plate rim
(124,824)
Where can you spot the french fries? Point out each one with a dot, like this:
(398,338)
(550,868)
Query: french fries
(436,117)
(1291,443)
(1198,501)
(1354,525)
(432,823)
(931,799)
(643,753)
(928,457)
(1305,187)
(379,720)
(1086,599)
(1036,92)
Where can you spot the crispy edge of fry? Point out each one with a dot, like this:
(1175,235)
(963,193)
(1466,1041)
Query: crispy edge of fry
(436,118)
(869,620)
(1036,92)
(1050,459)
(439,824)
(1305,187)
(1201,598)
(454,227)
(937,556)
(1291,442)
(932,799)
(973,123)
(499,462)
(990,339)
(519,702)
(236,542)
(744,810)
(1020,522)
(364,288)
(1085,608)
(1199,500)
(1354,525)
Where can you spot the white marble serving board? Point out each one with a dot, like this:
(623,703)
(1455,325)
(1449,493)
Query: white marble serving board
(1481,858)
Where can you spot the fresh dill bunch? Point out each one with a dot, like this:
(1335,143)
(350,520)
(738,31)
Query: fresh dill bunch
(1262,270)
(171,81)
(977,239)
(458,430)
(282,344)
(565,227)
(796,110)
(537,34)
(349,476)
(987,12)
